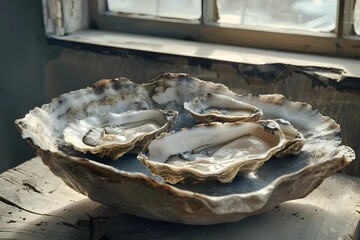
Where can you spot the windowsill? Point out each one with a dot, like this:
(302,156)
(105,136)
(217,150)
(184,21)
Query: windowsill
(207,50)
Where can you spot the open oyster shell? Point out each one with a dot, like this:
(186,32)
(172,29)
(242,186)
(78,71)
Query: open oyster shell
(129,187)
(215,151)
(113,134)
(294,139)
(215,107)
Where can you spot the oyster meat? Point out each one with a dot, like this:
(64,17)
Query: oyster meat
(213,151)
(114,134)
(215,107)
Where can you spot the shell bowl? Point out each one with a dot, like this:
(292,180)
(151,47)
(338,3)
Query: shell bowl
(128,186)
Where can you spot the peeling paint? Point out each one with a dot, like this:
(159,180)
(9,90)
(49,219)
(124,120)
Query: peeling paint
(64,16)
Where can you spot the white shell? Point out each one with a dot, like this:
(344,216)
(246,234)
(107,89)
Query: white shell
(217,151)
(114,134)
(215,107)
(294,139)
(129,187)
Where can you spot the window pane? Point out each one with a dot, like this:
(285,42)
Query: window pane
(357,17)
(133,6)
(181,9)
(308,15)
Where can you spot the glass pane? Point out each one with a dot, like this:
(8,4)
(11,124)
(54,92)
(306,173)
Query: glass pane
(308,15)
(181,9)
(357,17)
(133,6)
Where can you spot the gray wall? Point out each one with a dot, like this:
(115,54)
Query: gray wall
(23,54)
(33,72)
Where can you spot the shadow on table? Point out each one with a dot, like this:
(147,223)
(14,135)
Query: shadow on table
(79,221)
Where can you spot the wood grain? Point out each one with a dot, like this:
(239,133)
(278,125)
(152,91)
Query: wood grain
(35,204)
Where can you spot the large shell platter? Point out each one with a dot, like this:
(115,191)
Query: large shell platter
(127,185)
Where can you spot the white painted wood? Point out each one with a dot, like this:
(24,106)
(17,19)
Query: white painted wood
(35,204)
(75,15)
(63,17)
(53,20)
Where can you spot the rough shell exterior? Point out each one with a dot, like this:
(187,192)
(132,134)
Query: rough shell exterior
(124,187)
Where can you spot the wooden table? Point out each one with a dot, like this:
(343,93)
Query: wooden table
(35,204)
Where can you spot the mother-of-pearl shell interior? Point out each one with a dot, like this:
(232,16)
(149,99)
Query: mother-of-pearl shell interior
(215,107)
(114,134)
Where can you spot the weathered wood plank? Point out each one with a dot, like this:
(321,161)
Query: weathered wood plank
(64,16)
(34,204)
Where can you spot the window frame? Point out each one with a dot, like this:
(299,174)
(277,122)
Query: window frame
(340,43)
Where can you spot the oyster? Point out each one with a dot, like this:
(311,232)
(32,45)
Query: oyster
(215,107)
(214,151)
(294,139)
(114,134)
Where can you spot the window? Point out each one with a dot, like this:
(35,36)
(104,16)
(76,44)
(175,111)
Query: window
(330,27)
(303,15)
(179,9)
